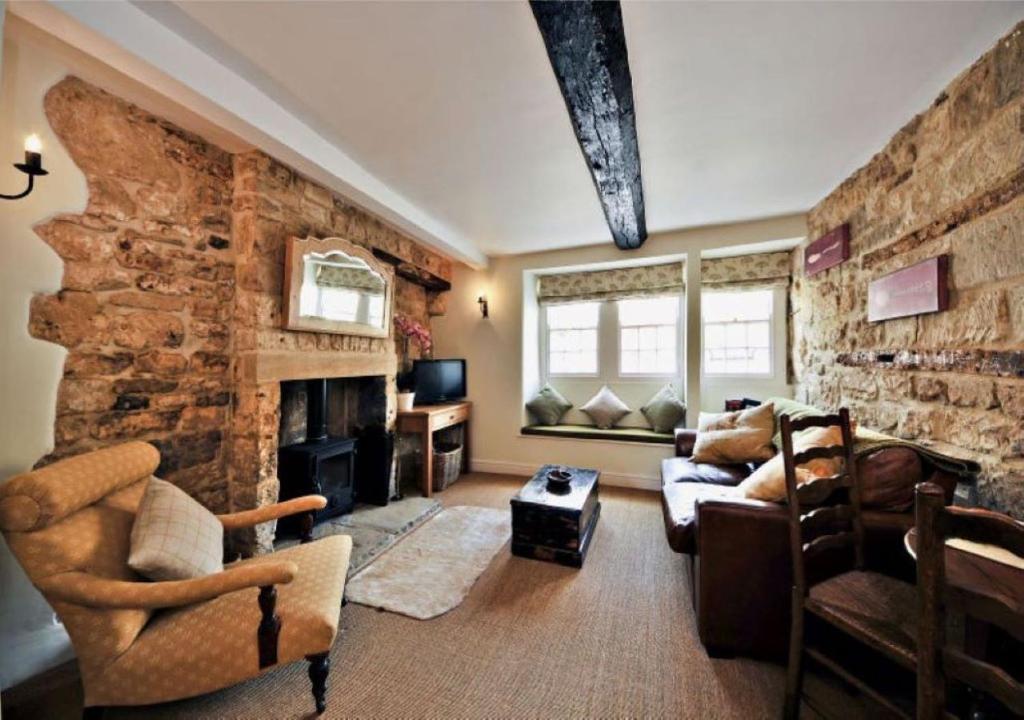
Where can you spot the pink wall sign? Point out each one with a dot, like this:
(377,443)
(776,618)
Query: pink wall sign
(831,249)
(914,290)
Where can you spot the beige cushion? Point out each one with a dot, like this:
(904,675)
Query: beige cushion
(768,482)
(605,409)
(735,437)
(174,537)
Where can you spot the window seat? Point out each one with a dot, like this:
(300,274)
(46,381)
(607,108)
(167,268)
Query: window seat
(589,432)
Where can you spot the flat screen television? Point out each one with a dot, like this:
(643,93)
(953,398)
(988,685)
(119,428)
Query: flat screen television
(437,381)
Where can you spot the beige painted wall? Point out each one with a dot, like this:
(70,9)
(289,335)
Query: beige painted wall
(29,369)
(494,350)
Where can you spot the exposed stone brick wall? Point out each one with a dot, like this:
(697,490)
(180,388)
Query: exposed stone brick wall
(273,203)
(147,290)
(951,181)
(172,274)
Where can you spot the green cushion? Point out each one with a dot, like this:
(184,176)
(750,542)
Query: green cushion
(589,432)
(665,410)
(796,410)
(548,406)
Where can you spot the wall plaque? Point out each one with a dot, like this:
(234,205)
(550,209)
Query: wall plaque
(914,290)
(831,249)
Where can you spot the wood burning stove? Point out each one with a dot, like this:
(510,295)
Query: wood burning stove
(321,465)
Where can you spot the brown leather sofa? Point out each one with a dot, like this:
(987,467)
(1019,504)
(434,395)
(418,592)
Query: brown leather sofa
(737,550)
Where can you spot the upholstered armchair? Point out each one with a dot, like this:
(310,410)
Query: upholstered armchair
(140,642)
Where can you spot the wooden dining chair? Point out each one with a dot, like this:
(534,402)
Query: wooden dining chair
(857,614)
(991,600)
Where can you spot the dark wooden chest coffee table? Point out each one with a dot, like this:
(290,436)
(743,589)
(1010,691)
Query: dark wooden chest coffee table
(556,526)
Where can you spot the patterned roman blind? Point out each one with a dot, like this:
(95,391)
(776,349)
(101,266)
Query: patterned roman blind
(616,284)
(761,270)
(348,278)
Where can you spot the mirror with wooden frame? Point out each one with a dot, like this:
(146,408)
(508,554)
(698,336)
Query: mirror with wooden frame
(334,286)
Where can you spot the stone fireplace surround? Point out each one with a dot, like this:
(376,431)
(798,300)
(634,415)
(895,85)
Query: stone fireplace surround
(170,307)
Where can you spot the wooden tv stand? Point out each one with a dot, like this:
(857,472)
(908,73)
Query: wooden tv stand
(424,420)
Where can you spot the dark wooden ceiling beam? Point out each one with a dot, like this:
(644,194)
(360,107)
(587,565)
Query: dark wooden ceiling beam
(587,48)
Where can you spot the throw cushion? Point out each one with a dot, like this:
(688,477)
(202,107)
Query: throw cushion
(796,411)
(768,482)
(665,410)
(605,409)
(548,406)
(174,537)
(735,437)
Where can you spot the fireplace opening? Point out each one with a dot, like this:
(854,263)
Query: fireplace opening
(333,442)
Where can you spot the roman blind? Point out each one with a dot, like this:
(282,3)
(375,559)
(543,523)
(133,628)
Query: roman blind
(761,270)
(615,284)
(351,278)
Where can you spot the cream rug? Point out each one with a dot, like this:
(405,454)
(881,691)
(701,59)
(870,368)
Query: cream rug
(431,570)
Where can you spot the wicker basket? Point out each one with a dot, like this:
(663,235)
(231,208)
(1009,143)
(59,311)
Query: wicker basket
(447,464)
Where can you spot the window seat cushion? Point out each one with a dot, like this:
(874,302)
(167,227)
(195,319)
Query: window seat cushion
(589,432)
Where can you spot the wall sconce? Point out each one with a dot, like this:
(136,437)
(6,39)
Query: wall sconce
(482,302)
(32,166)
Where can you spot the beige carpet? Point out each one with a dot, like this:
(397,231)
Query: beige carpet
(432,569)
(532,640)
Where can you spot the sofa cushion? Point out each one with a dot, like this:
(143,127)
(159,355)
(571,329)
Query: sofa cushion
(678,504)
(685,470)
(888,477)
(734,437)
(768,482)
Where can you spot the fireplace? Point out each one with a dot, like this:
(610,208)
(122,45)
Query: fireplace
(333,442)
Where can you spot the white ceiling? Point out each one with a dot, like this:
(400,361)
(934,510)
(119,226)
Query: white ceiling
(744,110)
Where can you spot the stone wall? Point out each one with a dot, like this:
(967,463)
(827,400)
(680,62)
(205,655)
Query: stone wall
(271,204)
(147,290)
(951,181)
(172,274)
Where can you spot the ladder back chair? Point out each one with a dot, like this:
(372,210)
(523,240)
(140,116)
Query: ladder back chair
(856,613)
(992,597)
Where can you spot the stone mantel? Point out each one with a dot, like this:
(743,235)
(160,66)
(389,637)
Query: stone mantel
(265,366)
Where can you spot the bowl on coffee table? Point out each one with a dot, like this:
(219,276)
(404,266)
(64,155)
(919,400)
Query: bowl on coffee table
(559,480)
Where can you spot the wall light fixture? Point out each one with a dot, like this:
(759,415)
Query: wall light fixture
(32,166)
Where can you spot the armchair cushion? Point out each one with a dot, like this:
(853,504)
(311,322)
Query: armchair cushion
(166,662)
(174,537)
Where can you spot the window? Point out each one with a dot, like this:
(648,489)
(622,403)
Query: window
(737,332)
(648,335)
(572,338)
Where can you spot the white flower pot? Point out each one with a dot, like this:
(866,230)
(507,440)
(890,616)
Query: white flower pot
(405,400)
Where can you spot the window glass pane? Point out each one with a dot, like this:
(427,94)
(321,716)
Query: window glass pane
(757,334)
(733,305)
(572,338)
(629,339)
(573,315)
(649,311)
(737,332)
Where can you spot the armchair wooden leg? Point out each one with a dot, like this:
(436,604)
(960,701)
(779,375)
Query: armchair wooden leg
(93,712)
(306,527)
(270,626)
(319,667)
